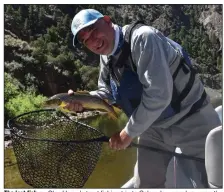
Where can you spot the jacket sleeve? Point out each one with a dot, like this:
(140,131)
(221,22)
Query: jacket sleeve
(104,90)
(150,56)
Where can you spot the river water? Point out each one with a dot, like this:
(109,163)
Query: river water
(113,169)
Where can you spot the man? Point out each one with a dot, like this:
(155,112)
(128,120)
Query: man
(146,93)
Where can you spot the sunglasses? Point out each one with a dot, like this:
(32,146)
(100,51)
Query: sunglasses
(88,31)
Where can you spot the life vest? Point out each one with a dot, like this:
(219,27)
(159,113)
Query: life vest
(128,90)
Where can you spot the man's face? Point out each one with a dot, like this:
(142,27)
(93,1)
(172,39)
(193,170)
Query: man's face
(99,37)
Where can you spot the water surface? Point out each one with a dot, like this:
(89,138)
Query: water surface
(113,169)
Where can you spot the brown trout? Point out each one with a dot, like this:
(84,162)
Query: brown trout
(88,102)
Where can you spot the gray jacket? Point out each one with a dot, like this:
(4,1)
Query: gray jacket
(156,60)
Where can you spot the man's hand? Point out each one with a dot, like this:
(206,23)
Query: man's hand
(73,106)
(120,140)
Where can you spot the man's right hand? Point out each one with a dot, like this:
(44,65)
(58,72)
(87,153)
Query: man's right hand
(74,105)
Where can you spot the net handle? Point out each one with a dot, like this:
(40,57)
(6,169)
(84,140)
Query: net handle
(106,139)
(167,152)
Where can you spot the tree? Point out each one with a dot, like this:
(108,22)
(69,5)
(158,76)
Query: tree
(185,44)
(219,63)
(172,34)
(20,14)
(26,25)
(125,19)
(52,35)
(54,16)
(203,50)
(213,37)
(41,16)
(30,12)
(182,32)
(9,9)
(67,38)
(40,56)
(31,18)
(140,17)
(65,21)
(53,49)
(191,17)
(66,24)
(114,16)
(89,76)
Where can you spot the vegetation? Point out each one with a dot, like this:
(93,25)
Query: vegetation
(40,60)
(18,100)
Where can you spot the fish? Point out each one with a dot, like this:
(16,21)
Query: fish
(88,102)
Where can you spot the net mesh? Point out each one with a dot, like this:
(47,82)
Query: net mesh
(45,153)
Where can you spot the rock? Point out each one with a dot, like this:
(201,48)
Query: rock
(8,144)
(7,131)
(213,93)
(212,21)
(215,96)
(85,115)
(7,134)
(7,138)
(212,81)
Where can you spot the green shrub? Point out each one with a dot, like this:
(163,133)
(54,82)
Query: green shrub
(11,87)
(22,103)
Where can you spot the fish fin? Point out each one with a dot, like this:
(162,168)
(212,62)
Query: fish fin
(113,116)
(106,100)
(117,110)
(63,104)
(67,111)
(63,109)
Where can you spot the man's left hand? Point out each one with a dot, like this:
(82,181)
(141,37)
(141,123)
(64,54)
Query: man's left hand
(120,140)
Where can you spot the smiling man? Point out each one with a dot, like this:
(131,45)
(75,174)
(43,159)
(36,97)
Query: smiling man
(98,36)
(150,77)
